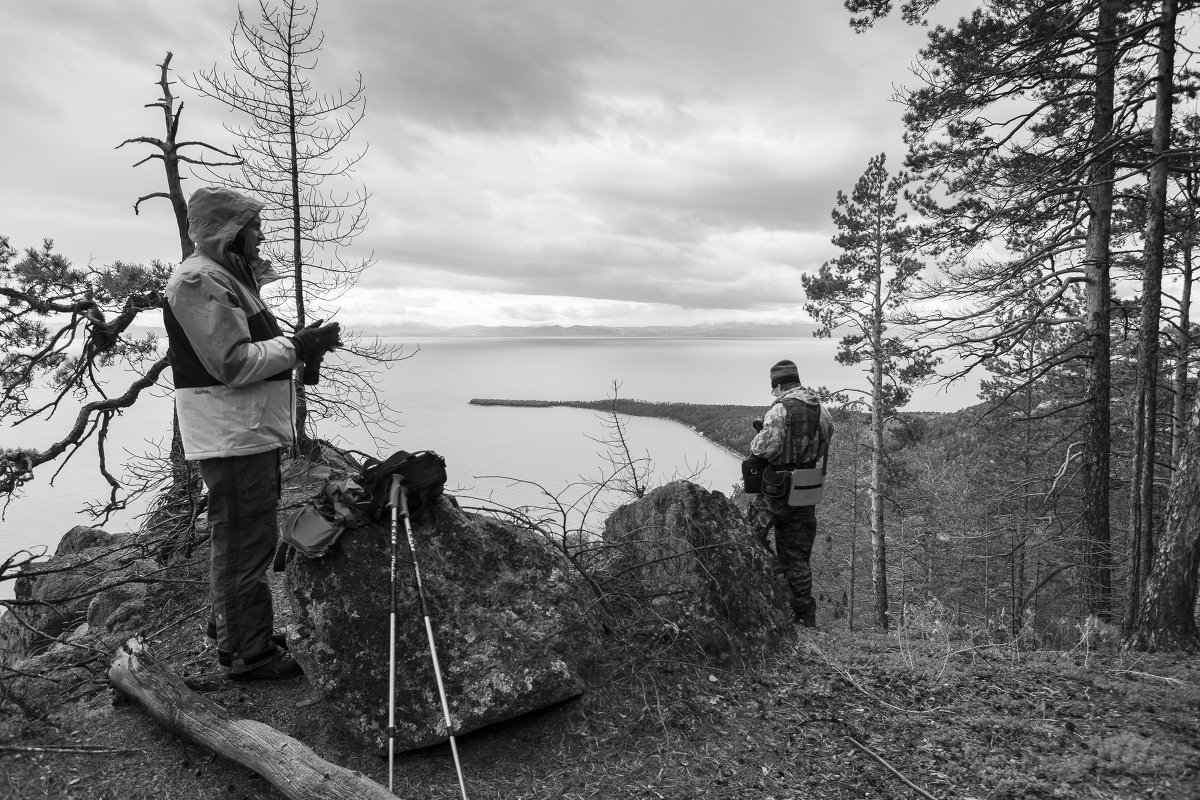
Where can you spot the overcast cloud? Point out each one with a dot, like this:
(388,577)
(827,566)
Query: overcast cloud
(561,161)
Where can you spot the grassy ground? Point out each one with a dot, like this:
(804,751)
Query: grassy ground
(833,715)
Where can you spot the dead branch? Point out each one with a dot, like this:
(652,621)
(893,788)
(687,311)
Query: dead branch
(16,468)
(290,766)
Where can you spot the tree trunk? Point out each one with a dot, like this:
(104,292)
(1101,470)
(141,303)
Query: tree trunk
(303,444)
(1166,617)
(878,539)
(854,538)
(1182,349)
(1145,423)
(290,766)
(1096,534)
(1182,333)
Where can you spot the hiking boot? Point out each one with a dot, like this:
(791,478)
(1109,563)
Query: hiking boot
(279,668)
(805,619)
(224,658)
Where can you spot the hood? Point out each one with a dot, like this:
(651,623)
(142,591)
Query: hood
(215,215)
(803,395)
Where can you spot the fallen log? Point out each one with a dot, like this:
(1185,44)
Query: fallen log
(290,766)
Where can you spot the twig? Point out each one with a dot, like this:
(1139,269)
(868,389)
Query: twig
(83,749)
(890,768)
(1164,678)
(846,676)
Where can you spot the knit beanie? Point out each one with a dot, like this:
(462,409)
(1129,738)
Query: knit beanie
(784,372)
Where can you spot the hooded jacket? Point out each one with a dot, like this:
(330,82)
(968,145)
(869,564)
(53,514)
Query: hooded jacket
(230,362)
(771,441)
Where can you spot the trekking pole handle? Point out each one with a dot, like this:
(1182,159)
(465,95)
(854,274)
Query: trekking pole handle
(403,500)
(394,493)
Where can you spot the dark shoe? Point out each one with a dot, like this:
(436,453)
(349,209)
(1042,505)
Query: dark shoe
(279,668)
(805,619)
(225,659)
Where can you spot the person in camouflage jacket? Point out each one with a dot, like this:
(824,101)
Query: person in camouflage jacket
(794,434)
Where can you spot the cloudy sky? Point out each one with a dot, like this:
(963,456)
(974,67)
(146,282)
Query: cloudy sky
(628,162)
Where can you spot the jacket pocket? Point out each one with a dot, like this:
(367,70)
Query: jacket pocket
(775,482)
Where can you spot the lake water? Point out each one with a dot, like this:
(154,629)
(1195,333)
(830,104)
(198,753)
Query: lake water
(487,449)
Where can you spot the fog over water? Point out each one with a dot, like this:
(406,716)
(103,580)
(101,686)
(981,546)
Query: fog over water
(488,449)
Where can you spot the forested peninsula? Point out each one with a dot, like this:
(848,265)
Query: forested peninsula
(728,426)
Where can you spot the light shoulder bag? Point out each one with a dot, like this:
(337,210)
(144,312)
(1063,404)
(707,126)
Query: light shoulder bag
(806,487)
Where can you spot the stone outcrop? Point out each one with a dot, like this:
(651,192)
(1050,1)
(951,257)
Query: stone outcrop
(698,581)
(509,617)
(86,560)
(87,597)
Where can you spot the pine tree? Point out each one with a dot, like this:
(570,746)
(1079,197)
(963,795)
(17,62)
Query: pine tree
(857,291)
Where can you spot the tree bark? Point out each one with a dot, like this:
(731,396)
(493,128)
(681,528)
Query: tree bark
(1145,423)
(290,766)
(878,538)
(1166,617)
(1096,533)
(1182,339)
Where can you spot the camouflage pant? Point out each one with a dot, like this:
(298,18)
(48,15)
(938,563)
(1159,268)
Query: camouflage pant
(795,531)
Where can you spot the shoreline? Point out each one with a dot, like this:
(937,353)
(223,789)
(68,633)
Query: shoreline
(727,427)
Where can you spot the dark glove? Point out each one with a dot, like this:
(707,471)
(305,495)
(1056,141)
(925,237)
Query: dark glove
(757,424)
(315,340)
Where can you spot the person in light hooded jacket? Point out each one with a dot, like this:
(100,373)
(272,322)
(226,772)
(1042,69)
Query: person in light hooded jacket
(232,368)
(793,434)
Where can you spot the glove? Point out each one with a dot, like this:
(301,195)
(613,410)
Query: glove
(757,424)
(312,342)
(315,340)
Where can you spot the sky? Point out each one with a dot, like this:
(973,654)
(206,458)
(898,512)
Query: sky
(569,162)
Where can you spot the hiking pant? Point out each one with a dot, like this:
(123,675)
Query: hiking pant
(795,530)
(243,502)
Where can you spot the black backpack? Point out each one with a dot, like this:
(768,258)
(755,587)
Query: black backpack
(423,476)
(805,441)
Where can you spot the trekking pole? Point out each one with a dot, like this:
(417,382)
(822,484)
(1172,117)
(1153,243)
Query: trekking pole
(398,487)
(391,728)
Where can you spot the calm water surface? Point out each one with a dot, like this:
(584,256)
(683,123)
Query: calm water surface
(505,456)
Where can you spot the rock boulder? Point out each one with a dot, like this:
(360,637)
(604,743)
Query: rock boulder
(699,582)
(509,619)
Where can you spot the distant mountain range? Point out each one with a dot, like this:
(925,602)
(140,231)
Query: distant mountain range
(730,330)
(717,331)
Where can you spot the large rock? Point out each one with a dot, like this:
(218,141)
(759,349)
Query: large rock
(66,586)
(509,618)
(697,580)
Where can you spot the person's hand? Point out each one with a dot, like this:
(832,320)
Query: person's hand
(757,424)
(315,340)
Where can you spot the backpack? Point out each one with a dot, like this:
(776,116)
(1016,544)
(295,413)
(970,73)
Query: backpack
(422,474)
(314,528)
(804,435)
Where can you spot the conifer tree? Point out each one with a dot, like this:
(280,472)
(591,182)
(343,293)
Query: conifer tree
(1029,454)
(1015,137)
(856,292)
(1031,117)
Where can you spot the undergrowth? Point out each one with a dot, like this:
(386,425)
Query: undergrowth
(831,715)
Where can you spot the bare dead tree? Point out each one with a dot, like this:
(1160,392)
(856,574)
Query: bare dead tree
(295,159)
(170,154)
(185,483)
